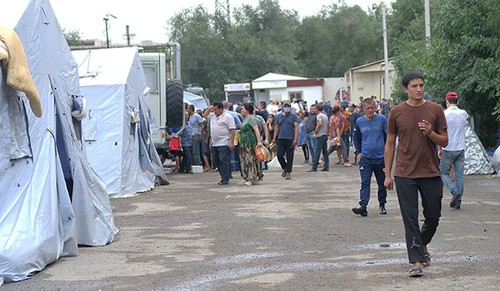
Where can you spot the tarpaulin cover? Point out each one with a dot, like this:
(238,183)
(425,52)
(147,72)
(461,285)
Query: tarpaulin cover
(477,161)
(39,156)
(117,129)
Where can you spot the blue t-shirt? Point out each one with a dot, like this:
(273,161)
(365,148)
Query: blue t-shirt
(286,125)
(194,123)
(187,137)
(369,136)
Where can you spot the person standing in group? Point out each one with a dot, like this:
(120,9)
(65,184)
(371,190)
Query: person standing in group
(320,134)
(309,127)
(195,122)
(222,129)
(454,153)
(336,127)
(187,145)
(370,133)
(286,132)
(271,122)
(347,127)
(420,126)
(302,136)
(250,138)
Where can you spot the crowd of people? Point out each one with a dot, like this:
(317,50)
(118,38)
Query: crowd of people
(430,146)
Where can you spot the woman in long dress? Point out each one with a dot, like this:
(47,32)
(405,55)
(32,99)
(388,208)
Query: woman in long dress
(250,138)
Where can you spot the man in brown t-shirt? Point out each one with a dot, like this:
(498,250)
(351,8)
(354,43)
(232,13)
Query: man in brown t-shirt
(420,125)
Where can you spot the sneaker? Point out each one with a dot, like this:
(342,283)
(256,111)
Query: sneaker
(248,183)
(283,174)
(382,210)
(325,170)
(312,170)
(306,161)
(288,177)
(361,211)
(455,199)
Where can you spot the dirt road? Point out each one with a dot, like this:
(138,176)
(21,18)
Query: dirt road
(286,235)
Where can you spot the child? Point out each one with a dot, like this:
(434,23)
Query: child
(174,147)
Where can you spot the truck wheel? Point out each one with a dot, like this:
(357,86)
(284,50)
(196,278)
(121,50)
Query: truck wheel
(175,103)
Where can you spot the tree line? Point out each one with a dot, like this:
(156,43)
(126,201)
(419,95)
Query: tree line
(461,55)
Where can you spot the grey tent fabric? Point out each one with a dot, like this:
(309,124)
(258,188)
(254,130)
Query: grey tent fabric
(477,161)
(42,162)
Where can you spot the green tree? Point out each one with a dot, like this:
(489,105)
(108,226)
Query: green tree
(73,37)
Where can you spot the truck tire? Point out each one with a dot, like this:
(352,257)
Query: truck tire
(175,103)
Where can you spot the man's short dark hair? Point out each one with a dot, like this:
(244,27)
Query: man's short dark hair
(263,103)
(218,104)
(191,106)
(368,100)
(319,107)
(408,77)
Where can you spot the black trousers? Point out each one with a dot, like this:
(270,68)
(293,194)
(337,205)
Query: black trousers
(285,148)
(431,192)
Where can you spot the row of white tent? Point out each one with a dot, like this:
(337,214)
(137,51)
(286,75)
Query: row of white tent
(55,184)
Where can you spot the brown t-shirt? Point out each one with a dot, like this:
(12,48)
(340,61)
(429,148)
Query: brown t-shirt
(416,156)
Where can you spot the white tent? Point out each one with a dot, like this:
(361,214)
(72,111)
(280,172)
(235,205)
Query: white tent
(198,101)
(117,130)
(42,160)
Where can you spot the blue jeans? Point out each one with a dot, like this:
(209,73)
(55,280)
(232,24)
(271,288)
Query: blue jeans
(285,148)
(187,159)
(311,144)
(345,137)
(221,157)
(321,147)
(456,158)
(366,168)
(196,150)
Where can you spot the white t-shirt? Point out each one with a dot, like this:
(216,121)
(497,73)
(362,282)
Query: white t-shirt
(456,119)
(220,128)
(272,109)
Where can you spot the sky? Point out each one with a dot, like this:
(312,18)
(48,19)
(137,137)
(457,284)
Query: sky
(147,20)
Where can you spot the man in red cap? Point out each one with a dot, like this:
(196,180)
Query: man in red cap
(454,153)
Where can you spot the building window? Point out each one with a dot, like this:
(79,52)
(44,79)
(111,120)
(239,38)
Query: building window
(295,95)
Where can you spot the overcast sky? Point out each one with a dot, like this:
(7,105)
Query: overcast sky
(146,18)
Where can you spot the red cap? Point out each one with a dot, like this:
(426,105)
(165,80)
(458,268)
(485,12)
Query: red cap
(451,95)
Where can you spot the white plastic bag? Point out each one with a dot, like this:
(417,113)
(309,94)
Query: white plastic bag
(274,163)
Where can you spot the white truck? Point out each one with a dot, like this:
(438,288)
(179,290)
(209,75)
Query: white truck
(165,96)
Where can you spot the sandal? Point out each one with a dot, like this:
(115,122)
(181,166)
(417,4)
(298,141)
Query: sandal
(415,272)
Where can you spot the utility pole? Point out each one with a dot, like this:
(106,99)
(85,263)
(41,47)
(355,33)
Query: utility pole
(427,14)
(386,57)
(106,19)
(128,35)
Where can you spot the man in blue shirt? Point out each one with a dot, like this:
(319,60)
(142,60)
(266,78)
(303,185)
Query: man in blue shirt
(286,132)
(370,134)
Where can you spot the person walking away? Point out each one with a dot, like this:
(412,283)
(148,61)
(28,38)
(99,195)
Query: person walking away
(420,126)
(309,127)
(286,132)
(271,121)
(250,138)
(347,127)
(222,129)
(195,122)
(320,134)
(370,134)
(453,155)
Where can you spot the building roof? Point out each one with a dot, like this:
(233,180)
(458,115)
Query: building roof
(277,77)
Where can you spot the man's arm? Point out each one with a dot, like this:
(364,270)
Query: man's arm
(356,140)
(296,133)
(319,123)
(276,130)
(390,145)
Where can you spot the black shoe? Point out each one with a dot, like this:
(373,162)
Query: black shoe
(361,211)
(312,170)
(382,210)
(325,170)
(454,199)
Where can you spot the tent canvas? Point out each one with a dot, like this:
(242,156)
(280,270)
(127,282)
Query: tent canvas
(477,161)
(38,221)
(117,130)
(198,101)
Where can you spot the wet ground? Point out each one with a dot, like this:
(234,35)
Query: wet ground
(282,235)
